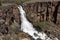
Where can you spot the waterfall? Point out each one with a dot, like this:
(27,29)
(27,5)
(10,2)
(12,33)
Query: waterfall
(27,27)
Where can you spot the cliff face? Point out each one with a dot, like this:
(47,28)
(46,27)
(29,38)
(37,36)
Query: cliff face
(9,14)
(43,11)
(36,12)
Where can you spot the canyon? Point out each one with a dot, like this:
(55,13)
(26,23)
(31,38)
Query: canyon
(36,12)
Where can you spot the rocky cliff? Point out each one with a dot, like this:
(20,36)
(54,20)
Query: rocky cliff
(36,12)
(43,11)
(9,15)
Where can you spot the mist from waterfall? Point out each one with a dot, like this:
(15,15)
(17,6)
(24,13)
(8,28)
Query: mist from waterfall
(27,27)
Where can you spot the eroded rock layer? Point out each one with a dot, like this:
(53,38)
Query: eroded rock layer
(43,11)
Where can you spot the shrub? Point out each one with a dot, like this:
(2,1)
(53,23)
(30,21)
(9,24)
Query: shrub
(41,24)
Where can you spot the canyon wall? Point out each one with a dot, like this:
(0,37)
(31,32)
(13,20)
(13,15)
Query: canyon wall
(36,12)
(9,14)
(43,11)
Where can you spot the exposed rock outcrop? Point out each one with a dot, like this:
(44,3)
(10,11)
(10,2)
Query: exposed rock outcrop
(43,11)
(36,12)
(9,15)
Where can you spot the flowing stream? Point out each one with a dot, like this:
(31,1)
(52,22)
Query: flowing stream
(27,27)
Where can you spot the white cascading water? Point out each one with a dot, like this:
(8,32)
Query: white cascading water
(27,27)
